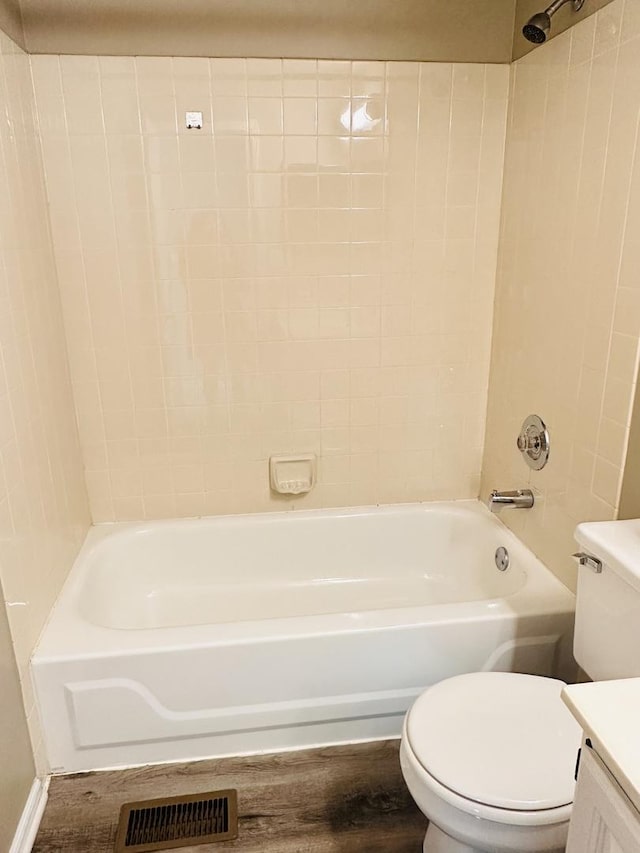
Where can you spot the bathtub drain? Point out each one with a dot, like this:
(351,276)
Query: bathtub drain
(170,822)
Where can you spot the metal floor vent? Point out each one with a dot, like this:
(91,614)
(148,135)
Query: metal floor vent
(170,822)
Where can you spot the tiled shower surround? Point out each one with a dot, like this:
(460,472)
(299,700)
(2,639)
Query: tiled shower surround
(567,320)
(44,513)
(312,271)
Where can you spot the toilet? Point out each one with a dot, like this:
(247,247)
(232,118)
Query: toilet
(490,757)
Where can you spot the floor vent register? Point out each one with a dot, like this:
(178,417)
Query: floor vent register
(171,822)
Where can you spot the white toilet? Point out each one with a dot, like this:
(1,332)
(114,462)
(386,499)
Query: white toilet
(490,757)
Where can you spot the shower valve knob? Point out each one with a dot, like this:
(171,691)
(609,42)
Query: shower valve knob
(529,442)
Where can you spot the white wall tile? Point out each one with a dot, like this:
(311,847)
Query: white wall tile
(567,317)
(244,273)
(44,512)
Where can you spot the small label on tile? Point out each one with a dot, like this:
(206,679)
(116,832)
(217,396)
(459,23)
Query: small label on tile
(193,121)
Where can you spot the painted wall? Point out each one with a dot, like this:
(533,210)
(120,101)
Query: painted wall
(434,30)
(43,505)
(15,749)
(630,491)
(429,30)
(314,271)
(11,20)
(567,319)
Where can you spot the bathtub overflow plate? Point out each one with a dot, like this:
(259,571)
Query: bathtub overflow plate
(502,559)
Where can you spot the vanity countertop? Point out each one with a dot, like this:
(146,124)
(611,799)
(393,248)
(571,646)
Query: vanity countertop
(609,713)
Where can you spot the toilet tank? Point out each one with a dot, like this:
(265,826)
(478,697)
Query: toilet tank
(607,630)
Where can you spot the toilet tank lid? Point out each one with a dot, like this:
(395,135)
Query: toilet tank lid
(500,739)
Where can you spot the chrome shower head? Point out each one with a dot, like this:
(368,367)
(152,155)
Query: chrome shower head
(538,27)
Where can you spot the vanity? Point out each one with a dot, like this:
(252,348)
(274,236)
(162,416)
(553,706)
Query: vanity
(606,810)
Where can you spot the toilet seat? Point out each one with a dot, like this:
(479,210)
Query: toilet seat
(502,741)
(429,793)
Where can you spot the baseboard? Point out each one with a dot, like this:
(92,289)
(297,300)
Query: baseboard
(31,816)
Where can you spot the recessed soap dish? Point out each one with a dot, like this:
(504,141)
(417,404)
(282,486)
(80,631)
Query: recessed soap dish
(292,475)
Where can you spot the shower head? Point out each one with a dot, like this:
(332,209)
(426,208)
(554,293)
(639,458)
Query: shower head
(538,27)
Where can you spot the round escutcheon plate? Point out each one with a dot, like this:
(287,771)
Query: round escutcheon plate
(533,442)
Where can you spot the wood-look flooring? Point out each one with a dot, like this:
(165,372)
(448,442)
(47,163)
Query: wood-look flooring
(341,799)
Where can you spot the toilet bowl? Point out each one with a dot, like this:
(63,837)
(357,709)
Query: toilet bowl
(489,758)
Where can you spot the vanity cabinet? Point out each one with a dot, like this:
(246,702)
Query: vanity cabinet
(603,818)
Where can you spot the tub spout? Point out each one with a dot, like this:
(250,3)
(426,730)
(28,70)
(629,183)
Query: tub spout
(518,498)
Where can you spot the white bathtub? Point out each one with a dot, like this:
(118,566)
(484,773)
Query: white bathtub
(183,639)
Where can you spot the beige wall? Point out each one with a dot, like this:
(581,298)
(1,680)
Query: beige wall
(562,20)
(434,30)
(317,277)
(630,492)
(567,318)
(43,506)
(429,30)
(426,30)
(11,20)
(17,771)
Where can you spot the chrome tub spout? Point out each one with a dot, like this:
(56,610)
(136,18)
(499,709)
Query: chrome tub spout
(518,498)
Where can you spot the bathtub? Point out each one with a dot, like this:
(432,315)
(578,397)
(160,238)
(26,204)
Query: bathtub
(178,640)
